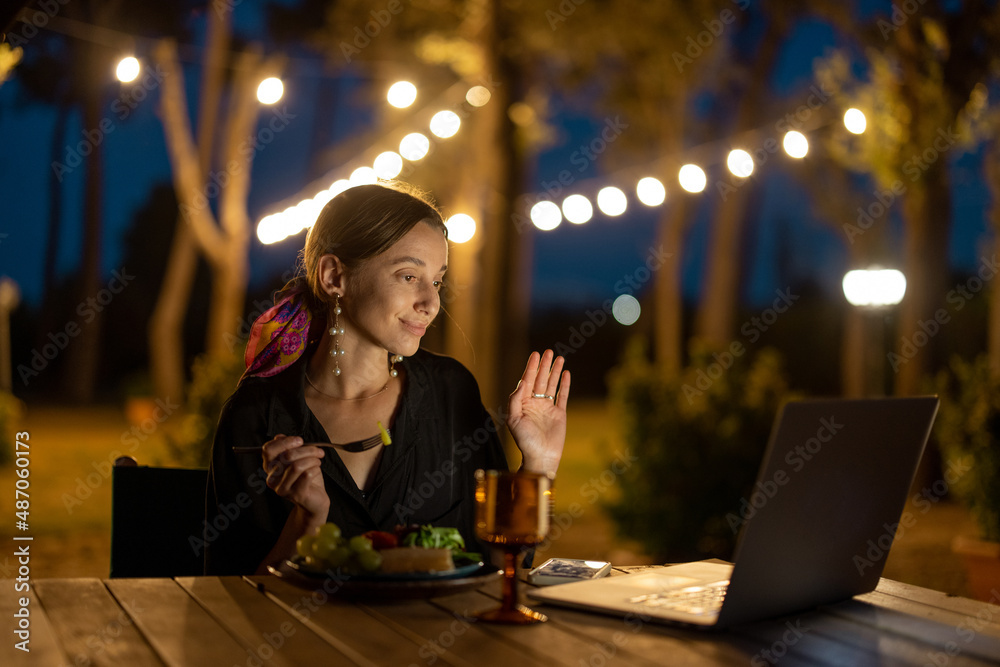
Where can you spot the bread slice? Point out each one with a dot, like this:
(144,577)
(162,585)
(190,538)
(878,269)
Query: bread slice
(416,559)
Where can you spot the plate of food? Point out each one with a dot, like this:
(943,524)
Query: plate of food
(415,562)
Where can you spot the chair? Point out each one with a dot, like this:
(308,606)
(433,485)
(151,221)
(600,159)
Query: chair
(154,512)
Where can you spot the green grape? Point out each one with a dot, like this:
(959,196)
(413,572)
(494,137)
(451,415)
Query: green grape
(360,544)
(304,545)
(369,560)
(322,547)
(330,531)
(339,556)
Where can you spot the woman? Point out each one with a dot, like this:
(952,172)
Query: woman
(335,361)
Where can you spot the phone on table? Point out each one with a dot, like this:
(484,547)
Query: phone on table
(565,570)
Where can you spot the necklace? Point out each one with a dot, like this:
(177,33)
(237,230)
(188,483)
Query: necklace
(337,398)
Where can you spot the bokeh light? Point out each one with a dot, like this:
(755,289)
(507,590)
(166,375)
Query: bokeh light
(339,186)
(795,144)
(625,309)
(612,201)
(478,96)
(546,215)
(363,176)
(874,287)
(461,227)
(414,146)
(692,178)
(270,90)
(388,165)
(855,121)
(445,124)
(740,163)
(128,69)
(577,209)
(401,94)
(650,191)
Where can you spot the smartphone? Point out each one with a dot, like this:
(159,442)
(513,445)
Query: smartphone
(565,570)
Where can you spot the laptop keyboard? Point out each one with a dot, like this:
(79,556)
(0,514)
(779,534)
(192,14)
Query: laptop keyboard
(698,600)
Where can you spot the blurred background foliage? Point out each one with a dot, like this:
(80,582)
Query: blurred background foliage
(698,439)
(968,431)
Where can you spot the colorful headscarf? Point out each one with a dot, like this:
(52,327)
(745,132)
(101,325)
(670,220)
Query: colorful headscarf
(279,336)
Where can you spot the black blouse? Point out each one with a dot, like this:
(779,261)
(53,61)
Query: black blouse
(440,436)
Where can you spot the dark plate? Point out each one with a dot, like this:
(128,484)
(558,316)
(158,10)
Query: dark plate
(385,586)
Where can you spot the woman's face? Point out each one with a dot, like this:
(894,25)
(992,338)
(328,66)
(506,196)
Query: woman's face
(393,297)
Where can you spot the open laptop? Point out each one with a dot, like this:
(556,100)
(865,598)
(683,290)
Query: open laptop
(816,528)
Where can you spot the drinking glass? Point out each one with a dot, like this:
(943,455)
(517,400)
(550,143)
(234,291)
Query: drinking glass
(512,512)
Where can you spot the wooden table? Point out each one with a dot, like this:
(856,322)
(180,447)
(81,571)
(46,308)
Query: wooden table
(223,621)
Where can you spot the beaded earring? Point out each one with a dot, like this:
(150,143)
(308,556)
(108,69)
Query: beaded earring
(336,331)
(393,359)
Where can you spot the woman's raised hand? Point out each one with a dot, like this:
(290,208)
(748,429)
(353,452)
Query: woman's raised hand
(293,472)
(536,412)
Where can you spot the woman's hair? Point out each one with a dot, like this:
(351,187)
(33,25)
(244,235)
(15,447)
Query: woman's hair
(362,222)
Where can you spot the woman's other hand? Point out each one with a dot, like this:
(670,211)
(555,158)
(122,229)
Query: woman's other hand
(539,424)
(293,473)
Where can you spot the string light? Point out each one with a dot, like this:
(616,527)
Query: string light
(461,227)
(650,191)
(795,144)
(445,124)
(478,96)
(414,146)
(740,163)
(546,215)
(577,209)
(270,90)
(855,121)
(363,176)
(611,201)
(388,165)
(128,69)
(401,94)
(692,178)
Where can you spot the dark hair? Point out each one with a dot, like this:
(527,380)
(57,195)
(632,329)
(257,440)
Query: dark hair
(365,221)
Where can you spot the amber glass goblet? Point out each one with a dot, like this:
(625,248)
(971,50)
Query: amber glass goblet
(512,512)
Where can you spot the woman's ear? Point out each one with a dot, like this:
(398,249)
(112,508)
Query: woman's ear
(331,275)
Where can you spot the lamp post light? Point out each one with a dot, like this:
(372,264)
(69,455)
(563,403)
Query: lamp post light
(873,291)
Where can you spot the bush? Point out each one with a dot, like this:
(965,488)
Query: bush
(968,431)
(189,438)
(11,412)
(699,439)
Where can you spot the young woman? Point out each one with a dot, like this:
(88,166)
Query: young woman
(337,359)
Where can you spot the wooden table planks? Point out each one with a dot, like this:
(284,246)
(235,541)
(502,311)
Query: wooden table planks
(257,621)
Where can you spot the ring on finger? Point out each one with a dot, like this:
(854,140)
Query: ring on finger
(551,398)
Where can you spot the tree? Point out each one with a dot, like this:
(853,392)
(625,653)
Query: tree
(920,75)
(223,238)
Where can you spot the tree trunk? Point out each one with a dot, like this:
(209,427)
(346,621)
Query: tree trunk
(503,309)
(720,296)
(48,316)
(85,351)
(668,310)
(166,327)
(992,162)
(925,257)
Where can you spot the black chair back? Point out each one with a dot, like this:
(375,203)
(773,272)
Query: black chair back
(157,515)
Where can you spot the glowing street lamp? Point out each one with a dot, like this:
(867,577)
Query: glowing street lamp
(873,291)
(874,288)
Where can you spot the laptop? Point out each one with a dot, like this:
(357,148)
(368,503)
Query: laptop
(815,529)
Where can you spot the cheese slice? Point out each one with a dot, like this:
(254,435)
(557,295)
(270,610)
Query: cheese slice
(416,559)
